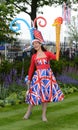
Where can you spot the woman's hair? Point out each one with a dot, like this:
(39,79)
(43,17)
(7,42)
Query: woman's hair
(33,51)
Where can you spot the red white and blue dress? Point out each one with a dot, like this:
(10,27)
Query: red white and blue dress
(43,87)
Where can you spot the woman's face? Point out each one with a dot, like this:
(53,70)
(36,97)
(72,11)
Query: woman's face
(36,45)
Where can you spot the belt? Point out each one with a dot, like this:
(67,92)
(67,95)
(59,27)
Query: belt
(43,66)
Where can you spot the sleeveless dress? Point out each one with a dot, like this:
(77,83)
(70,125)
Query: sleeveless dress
(43,87)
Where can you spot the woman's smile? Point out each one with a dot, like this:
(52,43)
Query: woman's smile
(36,45)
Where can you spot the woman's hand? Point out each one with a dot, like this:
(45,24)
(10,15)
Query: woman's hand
(28,83)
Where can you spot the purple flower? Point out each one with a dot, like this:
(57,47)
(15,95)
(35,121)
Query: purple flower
(66,79)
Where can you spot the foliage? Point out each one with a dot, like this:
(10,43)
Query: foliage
(25,64)
(9,9)
(12,75)
(15,69)
(76,61)
(12,78)
(31,6)
(5,64)
(57,66)
(16,94)
(13,98)
(7,12)
(69,75)
(73,30)
(68,88)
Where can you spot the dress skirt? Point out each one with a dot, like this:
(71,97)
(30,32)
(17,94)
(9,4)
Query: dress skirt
(43,88)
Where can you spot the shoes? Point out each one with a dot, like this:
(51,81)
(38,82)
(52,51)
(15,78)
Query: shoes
(44,119)
(27,116)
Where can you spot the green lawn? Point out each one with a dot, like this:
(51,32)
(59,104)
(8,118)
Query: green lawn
(61,116)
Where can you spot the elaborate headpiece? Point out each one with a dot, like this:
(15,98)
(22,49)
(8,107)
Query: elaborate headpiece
(37,36)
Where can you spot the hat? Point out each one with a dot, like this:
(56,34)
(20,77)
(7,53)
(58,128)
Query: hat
(37,36)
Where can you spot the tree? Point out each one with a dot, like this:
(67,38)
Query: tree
(9,8)
(73,30)
(31,6)
(6,14)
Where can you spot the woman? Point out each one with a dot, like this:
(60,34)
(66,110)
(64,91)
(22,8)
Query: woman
(43,86)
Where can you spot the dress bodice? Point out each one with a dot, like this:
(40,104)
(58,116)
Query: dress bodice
(41,61)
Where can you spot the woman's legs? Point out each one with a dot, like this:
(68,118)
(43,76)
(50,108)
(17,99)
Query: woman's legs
(27,115)
(44,108)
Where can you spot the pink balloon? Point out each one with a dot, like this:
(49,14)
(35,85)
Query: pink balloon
(40,24)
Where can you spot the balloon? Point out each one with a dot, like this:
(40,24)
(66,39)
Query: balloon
(57,23)
(19,27)
(41,25)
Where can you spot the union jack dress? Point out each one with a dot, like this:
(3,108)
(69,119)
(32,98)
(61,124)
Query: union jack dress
(43,87)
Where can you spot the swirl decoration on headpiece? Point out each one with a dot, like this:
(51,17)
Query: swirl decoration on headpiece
(18,27)
(40,23)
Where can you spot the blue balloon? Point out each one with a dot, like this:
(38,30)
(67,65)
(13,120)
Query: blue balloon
(19,27)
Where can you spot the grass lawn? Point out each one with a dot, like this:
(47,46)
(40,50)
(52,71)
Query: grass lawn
(61,116)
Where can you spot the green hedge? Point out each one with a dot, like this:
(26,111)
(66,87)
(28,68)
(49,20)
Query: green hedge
(57,66)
